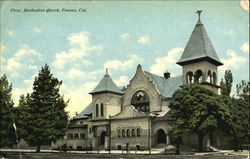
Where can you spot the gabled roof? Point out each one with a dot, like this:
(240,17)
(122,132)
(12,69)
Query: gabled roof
(106,85)
(199,48)
(166,87)
(84,114)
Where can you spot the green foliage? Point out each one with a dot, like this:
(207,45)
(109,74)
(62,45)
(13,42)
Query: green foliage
(197,110)
(22,114)
(227,85)
(42,114)
(239,120)
(7,132)
(242,90)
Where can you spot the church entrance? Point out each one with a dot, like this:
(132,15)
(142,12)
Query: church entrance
(102,138)
(161,137)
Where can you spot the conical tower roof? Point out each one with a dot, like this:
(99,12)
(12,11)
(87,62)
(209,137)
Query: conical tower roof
(199,48)
(106,85)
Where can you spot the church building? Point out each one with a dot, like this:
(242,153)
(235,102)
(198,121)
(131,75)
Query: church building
(137,116)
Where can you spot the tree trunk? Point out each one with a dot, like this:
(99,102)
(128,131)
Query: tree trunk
(211,137)
(178,148)
(200,143)
(236,145)
(38,148)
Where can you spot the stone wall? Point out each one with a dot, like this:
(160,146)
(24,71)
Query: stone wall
(111,103)
(132,141)
(142,82)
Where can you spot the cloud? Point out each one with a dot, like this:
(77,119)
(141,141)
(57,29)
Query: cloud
(3,48)
(16,93)
(38,29)
(125,36)
(245,47)
(10,32)
(19,61)
(76,73)
(79,98)
(28,83)
(123,65)
(75,76)
(32,67)
(26,88)
(144,39)
(80,48)
(26,51)
(13,65)
(2,51)
(167,62)
(244,4)
(232,62)
(81,38)
(230,32)
(122,81)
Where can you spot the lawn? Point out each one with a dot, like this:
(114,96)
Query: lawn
(14,155)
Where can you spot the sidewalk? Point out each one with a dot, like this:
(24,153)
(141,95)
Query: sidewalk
(132,152)
(153,151)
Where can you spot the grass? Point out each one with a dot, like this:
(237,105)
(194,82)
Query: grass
(15,155)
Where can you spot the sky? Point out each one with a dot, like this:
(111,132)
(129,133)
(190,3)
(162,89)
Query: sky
(118,35)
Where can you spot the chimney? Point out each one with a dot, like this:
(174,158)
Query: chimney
(167,74)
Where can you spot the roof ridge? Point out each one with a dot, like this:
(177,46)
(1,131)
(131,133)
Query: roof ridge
(106,84)
(162,76)
(203,41)
(199,48)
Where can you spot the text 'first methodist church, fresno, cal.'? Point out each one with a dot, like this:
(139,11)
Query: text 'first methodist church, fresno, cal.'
(137,117)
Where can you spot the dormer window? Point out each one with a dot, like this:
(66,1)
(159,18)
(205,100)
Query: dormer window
(140,101)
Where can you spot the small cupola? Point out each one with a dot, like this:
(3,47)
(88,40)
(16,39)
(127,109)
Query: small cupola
(106,85)
(167,74)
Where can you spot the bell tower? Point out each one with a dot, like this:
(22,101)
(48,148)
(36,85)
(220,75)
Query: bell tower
(199,60)
(106,98)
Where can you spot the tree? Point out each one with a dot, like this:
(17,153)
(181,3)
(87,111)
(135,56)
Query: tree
(240,122)
(242,90)
(197,110)
(22,115)
(7,131)
(46,120)
(227,85)
(176,131)
(239,114)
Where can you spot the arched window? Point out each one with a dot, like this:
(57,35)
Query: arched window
(128,133)
(140,101)
(133,132)
(102,110)
(198,76)
(97,110)
(214,78)
(123,133)
(190,77)
(138,131)
(209,76)
(119,133)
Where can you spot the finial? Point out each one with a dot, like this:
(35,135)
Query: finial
(107,71)
(199,13)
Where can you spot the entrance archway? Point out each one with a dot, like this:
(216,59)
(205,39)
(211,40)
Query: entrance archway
(102,137)
(161,137)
